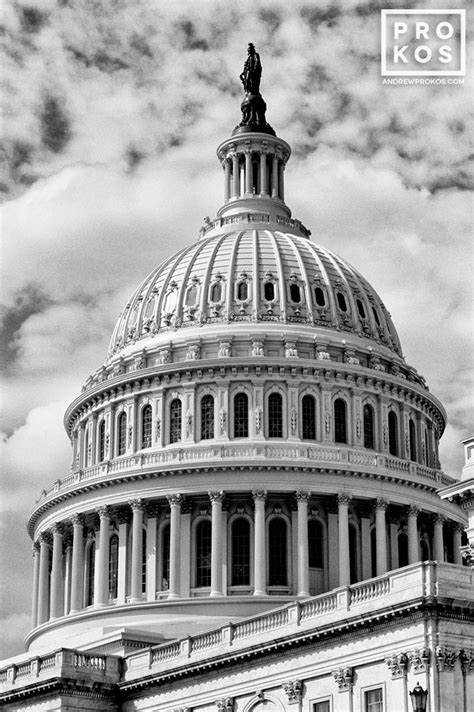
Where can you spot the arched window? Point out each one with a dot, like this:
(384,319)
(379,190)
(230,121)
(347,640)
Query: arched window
(425,551)
(315,544)
(241,416)
(353,553)
(176,409)
(90,573)
(360,308)
(402,549)
(216,292)
(308,411)
(144,561)
(412,437)
(203,554)
(369,427)
(340,424)
(295,293)
(207,417)
(240,552)
(191,295)
(242,291)
(113,565)
(269,291)
(277,535)
(341,301)
(146,426)
(165,558)
(275,415)
(122,433)
(102,440)
(376,316)
(392,433)
(319,296)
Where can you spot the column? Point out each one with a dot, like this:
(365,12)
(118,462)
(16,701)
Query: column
(67,544)
(259,497)
(226,180)
(152,514)
(394,560)
(365,514)
(343,532)
(123,520)
(303,555)
(333,550)
(263,173)
(101,594)
(216,543)
(457,556)
(381,536)
(413,553)
(82,446)
(93,440)
(281,169)
(77,575)
(235,176)
(137,550)
(275,176)
(57,591)
(36,565)
(438,540)
(43,587)
(175,540)
(248,171)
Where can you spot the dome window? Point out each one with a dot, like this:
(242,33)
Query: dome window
(242,291)
(275,416)
(295,293)
(360,309)
(113,566)
(191,295)
(319,296)
(240,552)
(122,433)
(277,544)
(340,421)
(146,426)
(393,434)
(207,417)
(315,544)
(368,417)
(308,408)
(102,441)
(203,554)
(412,438)
(216,292)
(175,420)
(341,301)
(269,291)
(241,416)
(165,557)
(376,316)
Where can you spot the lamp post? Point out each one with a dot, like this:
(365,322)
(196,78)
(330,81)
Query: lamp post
(418,698)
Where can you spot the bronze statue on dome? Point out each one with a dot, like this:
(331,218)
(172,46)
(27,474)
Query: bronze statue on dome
(253,106)
(252,73)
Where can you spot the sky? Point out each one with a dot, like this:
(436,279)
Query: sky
(112,113)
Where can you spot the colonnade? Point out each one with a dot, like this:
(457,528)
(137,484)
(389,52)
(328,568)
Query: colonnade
(60,571)
(251,172)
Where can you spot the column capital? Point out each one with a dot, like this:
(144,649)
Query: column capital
(35,547)
(381,504)
(137,505)
(77,520)
(58,528)
(413,511)
(397,664)
(123,516)
(343,498)
(45,538)
(104,511)
(259,495)
(216,496)
(174,499)
(344,678)
(438,519)
(293,690)
(302,496)
(445,658)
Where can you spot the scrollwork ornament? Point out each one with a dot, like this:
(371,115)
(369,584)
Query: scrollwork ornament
(344,678)
(258,419)
(294,420)
(293,690)
(157,429)
(419,659)
(226,704)
(467,661)
(223,420)
(397,665)
(445,658)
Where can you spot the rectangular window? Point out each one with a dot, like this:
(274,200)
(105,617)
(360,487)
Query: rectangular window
(322,706)
(374,700)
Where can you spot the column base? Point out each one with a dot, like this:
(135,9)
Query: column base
(173,596)
(216,594)
(303,594)
(259,593)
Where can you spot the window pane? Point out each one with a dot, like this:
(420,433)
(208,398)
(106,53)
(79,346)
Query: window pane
(216,292)
(241,416)
(240,553)
(341,300)
(360,309)
(144,561)
(392,433)
(295,293)
(319,296)
(175,420)
(315,544)
(275,416)
(242,291)
(102,441)
(308,407)
(207,417)
(146,426)
(90,574)
(269,291)
(374,701)
(165,554)
(411,427)
(122,434)
(340,428)
(322,706)
(368,427)
(277,553)
(113,566)
(203,554)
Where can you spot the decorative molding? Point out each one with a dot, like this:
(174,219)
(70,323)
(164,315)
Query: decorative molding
(398,665)
(174,499)
(344,498)
(467,661)
(104,511)
(302,496)
(216,496)
(226,704)
(137,505)
(259,495)
(293,690)
(381,504)
(419,659)
(344,678)
(445,658)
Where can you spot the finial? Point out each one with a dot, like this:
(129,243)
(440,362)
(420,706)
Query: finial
(253,106)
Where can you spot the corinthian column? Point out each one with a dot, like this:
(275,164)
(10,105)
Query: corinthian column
(381,536)
(57,589)
(216,543)
(438,538)
(102,591)
(43,588)
(343,531)
(248,171)
(36,565)
(77,576)
(175,500)
(303,555)
(137,550)
(413,555)
(259,497)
